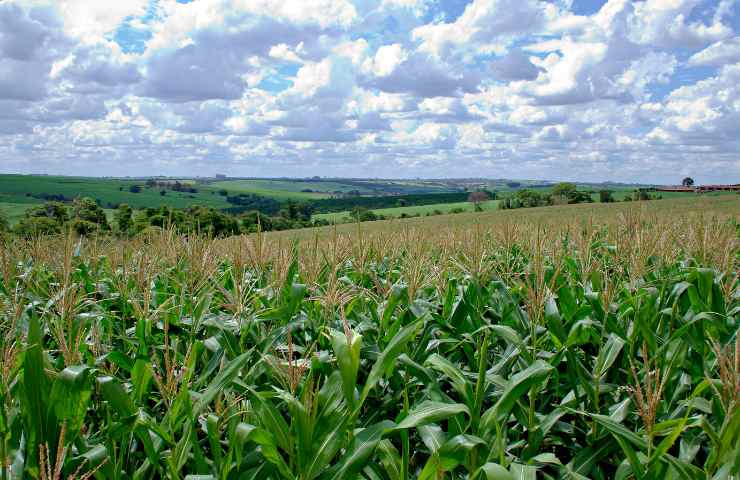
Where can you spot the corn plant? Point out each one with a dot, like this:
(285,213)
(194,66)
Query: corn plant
(581,349)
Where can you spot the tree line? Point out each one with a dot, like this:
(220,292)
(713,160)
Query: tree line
(85,216)
(566,193)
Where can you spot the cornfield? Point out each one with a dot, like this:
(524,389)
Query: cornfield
(579,350)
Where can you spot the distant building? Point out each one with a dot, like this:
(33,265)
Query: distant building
(220,176)
(698,188)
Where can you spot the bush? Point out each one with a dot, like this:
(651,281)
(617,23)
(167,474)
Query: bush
(364,215)
(83,227)
(35,226)
(605,196)
(124,218)
(87,210)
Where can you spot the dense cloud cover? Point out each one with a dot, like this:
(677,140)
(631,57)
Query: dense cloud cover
(563,89)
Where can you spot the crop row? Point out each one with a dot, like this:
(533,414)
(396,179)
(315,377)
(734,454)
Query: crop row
(522,351)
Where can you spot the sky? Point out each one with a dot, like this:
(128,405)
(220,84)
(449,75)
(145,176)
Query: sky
(586,90)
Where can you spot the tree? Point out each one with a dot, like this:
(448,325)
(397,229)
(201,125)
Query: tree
(87,210)
(362,214)
(254,220)
(134,189)
(56,211)
(605,196)
(527,198)
(564,189)
(688,182)
(34,226)
(476,198)
(124,218)
(4,223)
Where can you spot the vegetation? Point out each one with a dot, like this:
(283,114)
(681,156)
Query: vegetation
(410,211)
(477,198)
(108,193)
(328,205)
(578,349)
(605,196)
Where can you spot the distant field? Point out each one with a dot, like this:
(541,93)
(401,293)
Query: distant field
(287,189)
(19,192)
(727,205)
(280,189)
(412,210)
(14,211)
(19,189)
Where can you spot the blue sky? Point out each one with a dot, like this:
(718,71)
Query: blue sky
(586,90)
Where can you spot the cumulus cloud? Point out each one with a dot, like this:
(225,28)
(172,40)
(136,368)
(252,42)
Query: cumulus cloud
(718,54)
(514,66)
(484,24)
(519,88)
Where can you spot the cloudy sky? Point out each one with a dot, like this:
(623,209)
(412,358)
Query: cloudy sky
(562,89)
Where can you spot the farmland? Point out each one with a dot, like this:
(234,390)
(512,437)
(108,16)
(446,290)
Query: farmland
(327,199)
(32,189)
(20,192)
(412,210)
(305,189)
(580,341)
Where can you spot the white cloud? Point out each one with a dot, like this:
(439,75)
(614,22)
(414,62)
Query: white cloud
(89,20)
(666,23)
(718,54)
(484,25)
(394,87)
(386,59)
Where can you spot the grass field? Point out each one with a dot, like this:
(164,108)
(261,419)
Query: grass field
(14,211)
(16,189)
(716,205)
(293,189)
(283,190)
(411,210)
(583,341)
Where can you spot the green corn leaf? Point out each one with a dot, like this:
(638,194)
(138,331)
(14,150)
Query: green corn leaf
(387,358)
(518,385)
(431,412)
(492,471)
(607,355)
(348,358)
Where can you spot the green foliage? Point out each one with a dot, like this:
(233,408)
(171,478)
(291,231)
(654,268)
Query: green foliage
(388,201)
(124,218)
(456,354)
(362,214)
(56,211)
(87,216)
(564,189)
(32,226)
(605,196)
